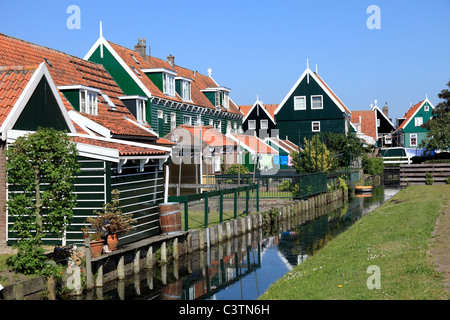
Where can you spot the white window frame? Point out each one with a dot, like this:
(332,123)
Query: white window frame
(426,108)
(417,122)
(168,84)
(173,121)
(321,102)
(88,102)
(219,125)
(160,114)
(228,126)
(251,124)
(217,98)
(199,120)
(266,124)
(186,90)
(378,122)
(189,118)
(211,122)
(140,110)
(312,126)
(410,139)
(225,100)
(297,103)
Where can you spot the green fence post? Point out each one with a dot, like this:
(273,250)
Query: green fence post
(186,216)
(221,206)
(257,198)
(247,200)
(206,209)
(235,203)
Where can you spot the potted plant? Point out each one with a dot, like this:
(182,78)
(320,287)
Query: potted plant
(113,219)
(94,235)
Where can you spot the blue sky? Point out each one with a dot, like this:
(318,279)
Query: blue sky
(260,47)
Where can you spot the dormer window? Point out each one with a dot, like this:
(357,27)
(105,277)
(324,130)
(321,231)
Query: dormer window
(225,100)
(219,96)
(136,105)
(168,84)
(163,78)
(88,102)
(83,99)
(183,88)
(217,104)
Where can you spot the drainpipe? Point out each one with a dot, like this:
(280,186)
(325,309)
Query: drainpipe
(166,183)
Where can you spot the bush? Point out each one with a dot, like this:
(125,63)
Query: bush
(372,166)
(235,168)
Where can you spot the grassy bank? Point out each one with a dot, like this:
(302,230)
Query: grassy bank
(394,237)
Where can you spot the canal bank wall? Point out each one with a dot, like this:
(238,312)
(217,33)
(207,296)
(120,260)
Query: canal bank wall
(164,249)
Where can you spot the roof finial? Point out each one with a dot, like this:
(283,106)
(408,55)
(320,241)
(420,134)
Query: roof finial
(209,71)
(257,97)
(316,70)
(307,63)
(101,37)
(426,96)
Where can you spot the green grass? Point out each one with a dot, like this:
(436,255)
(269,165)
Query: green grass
(395,237)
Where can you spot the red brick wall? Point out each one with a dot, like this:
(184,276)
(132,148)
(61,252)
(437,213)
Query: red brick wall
(3,232)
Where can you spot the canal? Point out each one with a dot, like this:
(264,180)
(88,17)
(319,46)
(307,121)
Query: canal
(244,268)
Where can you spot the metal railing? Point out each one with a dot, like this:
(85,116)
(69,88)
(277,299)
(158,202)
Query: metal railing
(223,199)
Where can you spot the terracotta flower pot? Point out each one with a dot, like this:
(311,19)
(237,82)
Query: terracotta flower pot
(97,247)
(113,241)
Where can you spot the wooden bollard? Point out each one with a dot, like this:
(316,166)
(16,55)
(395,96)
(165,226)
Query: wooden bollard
(137,262)
(121,268)
(149,258)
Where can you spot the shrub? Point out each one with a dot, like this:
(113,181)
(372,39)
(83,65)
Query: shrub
(429,178)
(372,166)
(234,169)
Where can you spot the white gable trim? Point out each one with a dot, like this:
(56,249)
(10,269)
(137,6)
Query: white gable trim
(102,41)
(240,143)
(262,107)
(329,92)
(25,96)
(414,114)
(88,123)
(390,122)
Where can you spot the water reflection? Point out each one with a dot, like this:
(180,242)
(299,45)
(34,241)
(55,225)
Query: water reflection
(244,268)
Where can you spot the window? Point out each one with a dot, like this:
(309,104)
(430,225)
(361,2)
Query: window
(228,127)
(426,108)
(413,139)
(187,120)
(217,99)
(160,114)
(211,122)
(264,124)
(388,139)
(225,100)
(316,102)
(418,121)
(251,124)
(185,90)
(378,122)
(300,103)
(219,125)
(140,110)
(168,84)
(88,102)
(173,120)
(315,126)
(199,120)
(134,69)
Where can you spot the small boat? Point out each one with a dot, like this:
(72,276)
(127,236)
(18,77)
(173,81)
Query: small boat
(363,189)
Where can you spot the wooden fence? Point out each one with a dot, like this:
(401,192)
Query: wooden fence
(416,174)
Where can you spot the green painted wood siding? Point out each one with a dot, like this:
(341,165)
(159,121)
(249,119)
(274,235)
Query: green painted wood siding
(123,79)
(41,110)
(140,195)
(157,79)
(290,122)
(425,115)
(73,96)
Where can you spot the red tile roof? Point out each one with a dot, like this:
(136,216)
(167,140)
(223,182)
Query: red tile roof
(124,148)
(411,111)
(199,81)
(67,70)
(210,136)
(255,144)
(368,122)
(12,83)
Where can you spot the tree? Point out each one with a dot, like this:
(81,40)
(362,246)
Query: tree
(315,156)
(438,137)
(41,167)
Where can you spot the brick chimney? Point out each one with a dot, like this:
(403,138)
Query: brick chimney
(386,110)
(141,47)
(171,60)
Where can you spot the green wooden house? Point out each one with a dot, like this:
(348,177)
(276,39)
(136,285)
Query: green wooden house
(50,88)
(410,132)
(166,94)
(311,107)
